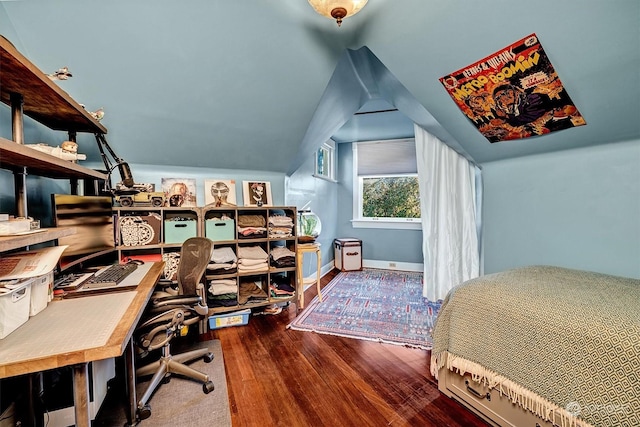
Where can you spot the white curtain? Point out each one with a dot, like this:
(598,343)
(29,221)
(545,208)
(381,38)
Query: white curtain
(448,208)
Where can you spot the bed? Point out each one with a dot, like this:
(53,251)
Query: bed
(542,346)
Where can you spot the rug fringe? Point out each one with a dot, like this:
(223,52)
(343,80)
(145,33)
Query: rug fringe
(379,340)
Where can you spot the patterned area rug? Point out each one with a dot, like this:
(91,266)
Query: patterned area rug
(376,305)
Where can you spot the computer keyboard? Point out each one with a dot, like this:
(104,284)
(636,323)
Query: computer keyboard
(110,276)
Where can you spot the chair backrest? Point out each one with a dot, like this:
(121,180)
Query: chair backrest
(195,254)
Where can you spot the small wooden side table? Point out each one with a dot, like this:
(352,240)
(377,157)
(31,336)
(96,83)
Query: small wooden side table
(302,249)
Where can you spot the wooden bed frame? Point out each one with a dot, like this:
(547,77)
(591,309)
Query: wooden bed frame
(488,404)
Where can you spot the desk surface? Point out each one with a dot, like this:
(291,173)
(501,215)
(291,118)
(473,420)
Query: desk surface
(102,326)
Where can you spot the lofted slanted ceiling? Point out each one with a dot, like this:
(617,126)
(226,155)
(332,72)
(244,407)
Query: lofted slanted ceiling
(243,84)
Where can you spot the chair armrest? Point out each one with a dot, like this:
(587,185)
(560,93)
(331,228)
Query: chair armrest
(167,286)
(169,300)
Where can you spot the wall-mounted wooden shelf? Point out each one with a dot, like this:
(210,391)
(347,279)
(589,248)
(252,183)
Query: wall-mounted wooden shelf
(43,100)
(29,91)
(8,243)
(16,156)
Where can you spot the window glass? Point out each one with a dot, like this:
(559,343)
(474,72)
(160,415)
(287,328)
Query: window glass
(390,197)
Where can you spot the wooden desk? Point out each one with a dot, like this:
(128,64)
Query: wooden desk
(60,336)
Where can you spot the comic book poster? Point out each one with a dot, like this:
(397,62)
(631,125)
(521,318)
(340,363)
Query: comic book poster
(513,94)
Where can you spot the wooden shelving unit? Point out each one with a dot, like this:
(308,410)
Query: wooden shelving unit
(200,215)
(30,92)
(43,100)
(8,243)
(17,156)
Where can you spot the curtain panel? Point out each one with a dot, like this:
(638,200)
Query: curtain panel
(450,223)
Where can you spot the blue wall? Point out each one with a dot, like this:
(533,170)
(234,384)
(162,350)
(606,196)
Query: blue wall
(301,188)
(39,189)
(377,244)
(576,208)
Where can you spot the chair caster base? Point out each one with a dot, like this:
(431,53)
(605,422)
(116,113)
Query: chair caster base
(208,387)
(144,412)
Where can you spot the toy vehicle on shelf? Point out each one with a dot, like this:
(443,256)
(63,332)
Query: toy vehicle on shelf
(137,195)
(155,199)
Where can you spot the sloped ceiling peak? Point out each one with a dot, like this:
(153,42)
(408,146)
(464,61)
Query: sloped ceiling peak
(360,78)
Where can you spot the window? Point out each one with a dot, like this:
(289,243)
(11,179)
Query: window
(386,193)
(325,161)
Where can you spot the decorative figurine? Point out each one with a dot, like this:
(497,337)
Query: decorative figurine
(62,74)
(68,150)
(98,114)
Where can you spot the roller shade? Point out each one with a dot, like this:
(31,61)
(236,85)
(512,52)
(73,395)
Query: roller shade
(394,157)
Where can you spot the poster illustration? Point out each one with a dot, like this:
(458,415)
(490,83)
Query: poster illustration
(179,192)
(220,192)
(513,94)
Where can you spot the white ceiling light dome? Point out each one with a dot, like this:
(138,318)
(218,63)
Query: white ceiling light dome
(337,9)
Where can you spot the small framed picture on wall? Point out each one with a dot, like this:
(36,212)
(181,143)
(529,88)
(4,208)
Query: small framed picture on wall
(257,193)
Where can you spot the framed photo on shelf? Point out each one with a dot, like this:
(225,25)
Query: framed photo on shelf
(179,192)
(220,192)
(257,193)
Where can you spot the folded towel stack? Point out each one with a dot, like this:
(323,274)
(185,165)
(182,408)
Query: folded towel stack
(282,257)
(280,226)
(251,227)
(223,261)
(252,259)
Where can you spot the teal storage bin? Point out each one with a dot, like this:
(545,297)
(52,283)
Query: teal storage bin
(179,231)
(220,229)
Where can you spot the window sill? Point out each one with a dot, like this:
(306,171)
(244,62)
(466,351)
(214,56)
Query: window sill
(399,224)
(325,178)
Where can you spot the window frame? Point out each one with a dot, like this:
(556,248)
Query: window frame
(359,221)
(330,157)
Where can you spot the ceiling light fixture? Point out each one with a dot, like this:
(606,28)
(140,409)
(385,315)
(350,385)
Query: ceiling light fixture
(337,9)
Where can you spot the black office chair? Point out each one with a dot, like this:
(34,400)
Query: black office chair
(169,313)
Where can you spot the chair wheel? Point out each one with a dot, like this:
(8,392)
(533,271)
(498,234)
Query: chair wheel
(144,412)
(208,358)
(208,387)
(166,379)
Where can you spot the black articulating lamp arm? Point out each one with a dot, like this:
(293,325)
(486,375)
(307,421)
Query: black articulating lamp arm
(123,167)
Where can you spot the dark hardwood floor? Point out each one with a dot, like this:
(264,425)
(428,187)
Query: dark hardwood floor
(281,377)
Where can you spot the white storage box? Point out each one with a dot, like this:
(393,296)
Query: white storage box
(14,226)
(14,307)
(348,254)
(41,293)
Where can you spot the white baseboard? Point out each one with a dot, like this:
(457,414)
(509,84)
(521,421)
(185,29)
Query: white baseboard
(323,270)
(393,265)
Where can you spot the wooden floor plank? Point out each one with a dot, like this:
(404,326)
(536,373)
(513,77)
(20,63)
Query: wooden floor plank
(281,377)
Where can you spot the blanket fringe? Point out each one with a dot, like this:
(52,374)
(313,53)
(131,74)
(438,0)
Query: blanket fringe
(519,395)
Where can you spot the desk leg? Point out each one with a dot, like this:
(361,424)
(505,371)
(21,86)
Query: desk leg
(81,394)
(129,357)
